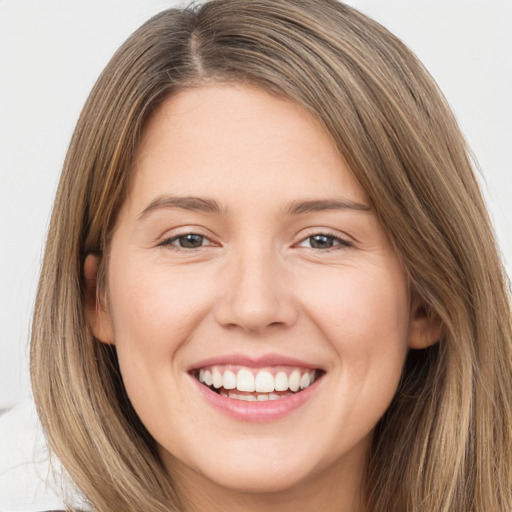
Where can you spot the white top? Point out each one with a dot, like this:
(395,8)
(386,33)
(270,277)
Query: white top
(28,482)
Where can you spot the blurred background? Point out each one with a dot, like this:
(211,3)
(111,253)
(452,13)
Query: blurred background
(51,52)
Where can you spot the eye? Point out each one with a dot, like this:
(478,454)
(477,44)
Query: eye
(186,241)
(324,241)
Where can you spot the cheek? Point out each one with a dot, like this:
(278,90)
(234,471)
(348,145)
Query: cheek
(360,302)
(154,307)
(365,318)
(364,313)
(154,311)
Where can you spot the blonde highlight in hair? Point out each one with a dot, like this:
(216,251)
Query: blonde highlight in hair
(445,444)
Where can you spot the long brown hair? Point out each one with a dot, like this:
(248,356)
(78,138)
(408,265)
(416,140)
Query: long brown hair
(445,444)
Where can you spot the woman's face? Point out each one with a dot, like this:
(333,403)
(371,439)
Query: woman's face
(246,255)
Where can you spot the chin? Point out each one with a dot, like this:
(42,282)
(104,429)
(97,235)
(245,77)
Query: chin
(262,481)
(260,468)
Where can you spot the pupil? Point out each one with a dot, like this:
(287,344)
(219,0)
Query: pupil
(191,241)
(321,242)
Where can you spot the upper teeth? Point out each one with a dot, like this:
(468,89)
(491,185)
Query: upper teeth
(263,381)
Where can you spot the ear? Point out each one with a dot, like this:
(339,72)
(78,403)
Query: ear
(96,310)
(424,326)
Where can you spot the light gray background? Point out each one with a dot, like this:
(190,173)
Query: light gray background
(51,52)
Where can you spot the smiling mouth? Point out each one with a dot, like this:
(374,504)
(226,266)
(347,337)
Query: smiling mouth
(250,384)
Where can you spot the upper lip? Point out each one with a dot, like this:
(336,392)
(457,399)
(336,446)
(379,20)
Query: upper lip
(259,361)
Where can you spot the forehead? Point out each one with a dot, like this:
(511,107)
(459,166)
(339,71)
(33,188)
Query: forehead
(218,139)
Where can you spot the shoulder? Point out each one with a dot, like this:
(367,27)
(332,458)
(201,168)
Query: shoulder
(30,480)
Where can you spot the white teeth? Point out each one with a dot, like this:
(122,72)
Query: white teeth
(208,380)
(264,382)
(281,381)
(247,398)
(245,381)
(304,381)
(229,380)
(294,380)
(217,378)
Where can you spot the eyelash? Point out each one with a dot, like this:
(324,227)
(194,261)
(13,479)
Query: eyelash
(168,242)
(341,243)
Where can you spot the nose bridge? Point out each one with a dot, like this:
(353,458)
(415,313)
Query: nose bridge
(254,294)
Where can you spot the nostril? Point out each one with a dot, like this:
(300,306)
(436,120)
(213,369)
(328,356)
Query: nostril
(255,303)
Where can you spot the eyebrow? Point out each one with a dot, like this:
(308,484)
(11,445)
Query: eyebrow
(204,205)
(193,204)
(318,205)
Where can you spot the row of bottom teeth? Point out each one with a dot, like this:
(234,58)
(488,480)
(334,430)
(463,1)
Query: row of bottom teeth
(253,397)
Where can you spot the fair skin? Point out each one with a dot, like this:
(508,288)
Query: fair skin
(257,286)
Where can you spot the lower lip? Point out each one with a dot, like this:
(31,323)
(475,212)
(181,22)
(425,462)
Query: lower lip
(265,411)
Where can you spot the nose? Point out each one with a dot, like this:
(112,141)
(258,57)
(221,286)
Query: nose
(255,294)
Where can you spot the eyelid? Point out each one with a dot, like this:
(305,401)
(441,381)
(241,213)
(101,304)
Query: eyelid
(344,241)
(167,239)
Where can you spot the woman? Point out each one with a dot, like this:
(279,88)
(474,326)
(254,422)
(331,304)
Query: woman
(270,280)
